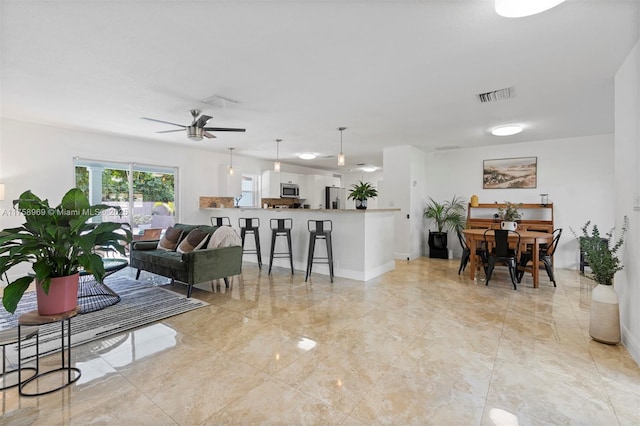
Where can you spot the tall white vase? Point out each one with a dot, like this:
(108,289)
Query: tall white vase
(604,322)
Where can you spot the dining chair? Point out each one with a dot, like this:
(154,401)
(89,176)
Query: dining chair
(545,255)
(466,253)
(501,252)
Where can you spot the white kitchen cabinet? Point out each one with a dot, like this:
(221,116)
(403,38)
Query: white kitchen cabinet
(271,182)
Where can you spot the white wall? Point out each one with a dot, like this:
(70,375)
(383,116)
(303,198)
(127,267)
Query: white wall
(577,173)
(374,178)
(627,195)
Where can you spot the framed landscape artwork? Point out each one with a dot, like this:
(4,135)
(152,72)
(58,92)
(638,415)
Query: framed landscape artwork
(510,173)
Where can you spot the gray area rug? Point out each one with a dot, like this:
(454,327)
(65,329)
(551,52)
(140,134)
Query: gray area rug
(140,304)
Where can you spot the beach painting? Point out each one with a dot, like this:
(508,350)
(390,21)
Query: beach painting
(510,173)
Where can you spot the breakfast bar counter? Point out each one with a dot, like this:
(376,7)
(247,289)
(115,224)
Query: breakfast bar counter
(363,240)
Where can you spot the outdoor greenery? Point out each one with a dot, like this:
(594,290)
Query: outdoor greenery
(362,191)
(115,184)
(448,215)
(510,212)
(57,241)
(601,251)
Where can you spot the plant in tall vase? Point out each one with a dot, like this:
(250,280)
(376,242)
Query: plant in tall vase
(447,215)
(601,253)
(360,192)
(57,242)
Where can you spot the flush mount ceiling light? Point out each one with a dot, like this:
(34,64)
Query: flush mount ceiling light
(276,164)
(369,169)
(341,155)
(509,130)
(307,156)
(521,8)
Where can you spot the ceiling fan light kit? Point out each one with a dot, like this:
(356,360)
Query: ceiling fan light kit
(196,130)
(522,8)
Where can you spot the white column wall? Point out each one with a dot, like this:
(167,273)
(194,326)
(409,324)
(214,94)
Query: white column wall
(627,195)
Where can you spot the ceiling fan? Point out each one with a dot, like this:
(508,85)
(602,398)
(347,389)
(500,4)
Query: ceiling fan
(196,129)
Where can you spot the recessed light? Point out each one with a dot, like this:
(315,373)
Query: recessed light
(520,8)
(307,156)
(509,130)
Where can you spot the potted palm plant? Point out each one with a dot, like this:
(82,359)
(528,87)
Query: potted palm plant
(361,192)
(446,215)
(601,253)
(57,241)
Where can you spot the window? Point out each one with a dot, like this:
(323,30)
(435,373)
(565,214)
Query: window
(145,193)
(250,194)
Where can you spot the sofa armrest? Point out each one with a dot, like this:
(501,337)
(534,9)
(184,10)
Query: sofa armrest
(144,245)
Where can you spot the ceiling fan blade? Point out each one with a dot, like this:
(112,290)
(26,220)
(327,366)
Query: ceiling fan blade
(162,121)
(208,135)
(224,129)
(171,131)
(202,120)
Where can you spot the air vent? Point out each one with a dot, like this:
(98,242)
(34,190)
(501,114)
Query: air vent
(447,148)
(496,95)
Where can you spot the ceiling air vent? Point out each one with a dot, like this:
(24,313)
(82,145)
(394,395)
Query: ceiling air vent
(447,148)
(496,95)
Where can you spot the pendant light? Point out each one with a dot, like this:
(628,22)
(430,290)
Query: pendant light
(231,161)
(276,164)
(341,155)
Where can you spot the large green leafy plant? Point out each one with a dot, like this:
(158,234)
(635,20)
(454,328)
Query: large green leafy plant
(57,241)
(601,251)
(450,214)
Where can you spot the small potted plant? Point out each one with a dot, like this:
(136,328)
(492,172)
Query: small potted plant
(509,215)
(602,256)
(447,215)
(57,241)
(361,192)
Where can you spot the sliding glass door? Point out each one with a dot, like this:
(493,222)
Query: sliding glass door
(145,193)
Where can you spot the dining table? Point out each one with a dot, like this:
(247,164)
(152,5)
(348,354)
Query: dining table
(475,238)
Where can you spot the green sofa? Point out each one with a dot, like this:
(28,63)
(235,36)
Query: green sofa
(190,268)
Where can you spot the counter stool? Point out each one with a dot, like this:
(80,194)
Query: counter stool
(251,225)
(33,318)
(220,221)
(9,337)
(280,228)
(319,230)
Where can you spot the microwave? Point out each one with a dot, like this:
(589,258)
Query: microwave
(289,190)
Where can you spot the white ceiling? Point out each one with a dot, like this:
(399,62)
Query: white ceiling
(392,72)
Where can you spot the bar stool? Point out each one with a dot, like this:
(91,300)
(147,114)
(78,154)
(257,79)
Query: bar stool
(220,221)
(319,230)
(280,228)
(251,225)
(9,337)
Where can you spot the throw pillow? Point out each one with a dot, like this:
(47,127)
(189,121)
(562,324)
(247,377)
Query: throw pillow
(170,239)
(225,236)
(193,241)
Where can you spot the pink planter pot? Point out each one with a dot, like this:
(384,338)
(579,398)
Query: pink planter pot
(62,296)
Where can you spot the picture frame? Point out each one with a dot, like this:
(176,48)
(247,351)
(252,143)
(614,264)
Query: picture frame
(510,173)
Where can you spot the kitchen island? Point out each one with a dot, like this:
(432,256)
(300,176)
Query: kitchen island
(363,240)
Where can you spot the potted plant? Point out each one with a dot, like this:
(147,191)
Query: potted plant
(447,215)
(57,241)
(361,192)
(509,215)
(601,253)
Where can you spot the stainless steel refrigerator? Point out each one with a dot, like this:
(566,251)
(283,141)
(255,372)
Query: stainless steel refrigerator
(335,198)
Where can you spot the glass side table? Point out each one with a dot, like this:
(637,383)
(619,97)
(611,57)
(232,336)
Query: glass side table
(72,373)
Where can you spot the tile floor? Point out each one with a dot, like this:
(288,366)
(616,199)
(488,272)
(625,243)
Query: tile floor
(419,345)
